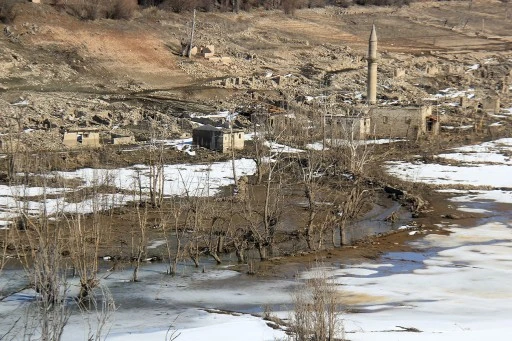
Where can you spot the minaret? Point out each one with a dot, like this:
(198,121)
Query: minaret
(371,94)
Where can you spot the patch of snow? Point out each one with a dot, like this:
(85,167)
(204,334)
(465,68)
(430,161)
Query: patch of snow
(474,67)
(508,111)
(281,148)
(315,146)
(22,103)
(452,175)
(481,160)
(220,327)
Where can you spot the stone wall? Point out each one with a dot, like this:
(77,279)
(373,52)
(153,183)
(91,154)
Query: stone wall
(402,122)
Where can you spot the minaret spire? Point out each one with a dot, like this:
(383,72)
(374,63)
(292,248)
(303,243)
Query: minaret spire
(371,94)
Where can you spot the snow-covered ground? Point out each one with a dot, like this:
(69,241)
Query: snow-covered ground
(180,179)
(457,287)
(486,164)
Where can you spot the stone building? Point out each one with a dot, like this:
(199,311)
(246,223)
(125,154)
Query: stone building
(348,127)
(9,144)
(273,121)
(218,139)
(490,105)
(118,139)
(82,137)
(403,122)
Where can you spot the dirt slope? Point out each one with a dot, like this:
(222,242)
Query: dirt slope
(143,51)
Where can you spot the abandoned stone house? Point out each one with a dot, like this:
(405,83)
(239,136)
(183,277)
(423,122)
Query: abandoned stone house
(9,144)
(348,127)
(273,121)
(82,137)
(403,122)
(490,105)
(218,139)
(117,139)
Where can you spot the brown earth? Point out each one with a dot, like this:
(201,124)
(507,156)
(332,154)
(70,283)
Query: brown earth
(143,51)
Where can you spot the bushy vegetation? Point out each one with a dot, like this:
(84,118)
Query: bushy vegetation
(124,9)
(97,9)
(383,2)
(288,6)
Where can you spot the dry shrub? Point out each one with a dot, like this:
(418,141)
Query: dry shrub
(206,5)
(270,4)
(179,6)
(317,312)
(84,9)
(247,5)
(383,2)
(98,9)
(121,9)
(289,6)
(344,3)
(149,3)
(316,3)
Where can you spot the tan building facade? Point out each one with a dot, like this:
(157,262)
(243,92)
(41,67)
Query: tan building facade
(85,137)
(490,105)
(403,122)
(273,122)
(349,127)
(120,139)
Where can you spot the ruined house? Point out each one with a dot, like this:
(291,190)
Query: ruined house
(82,137)
(118,139)
(218,139)
(490,105)
(9,144)
(273,120)
(348,127)
(208,51)
(403,122)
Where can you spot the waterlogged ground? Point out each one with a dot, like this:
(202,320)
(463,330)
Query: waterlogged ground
(453,287)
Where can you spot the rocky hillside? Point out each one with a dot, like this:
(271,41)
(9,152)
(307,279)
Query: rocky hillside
(63,72)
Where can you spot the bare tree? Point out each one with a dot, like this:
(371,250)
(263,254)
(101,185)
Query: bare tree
(99,314)
(317,311)
(84,239)
(156,175)
(262,219)
(258,153)
(173,233)
(351,208)
(43,263)
(310,168)
(140,251)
